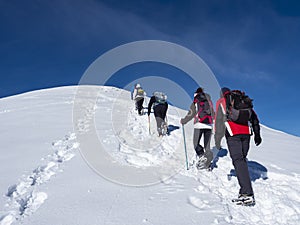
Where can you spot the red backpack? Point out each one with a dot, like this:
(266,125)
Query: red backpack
(205,111)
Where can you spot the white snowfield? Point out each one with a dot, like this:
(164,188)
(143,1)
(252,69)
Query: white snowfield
(45,179)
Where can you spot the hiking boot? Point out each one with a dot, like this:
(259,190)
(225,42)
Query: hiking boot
(246,199)
(202,163)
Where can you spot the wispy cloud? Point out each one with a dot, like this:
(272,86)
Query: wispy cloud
(243,39)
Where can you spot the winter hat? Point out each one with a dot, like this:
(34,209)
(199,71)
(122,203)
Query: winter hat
(199,90)
(137,85)
(224,90)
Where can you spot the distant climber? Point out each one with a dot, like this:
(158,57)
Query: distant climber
(160,107)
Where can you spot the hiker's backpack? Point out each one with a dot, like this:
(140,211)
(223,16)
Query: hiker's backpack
(140,92)
(238,107)
(160,97)
(204,107)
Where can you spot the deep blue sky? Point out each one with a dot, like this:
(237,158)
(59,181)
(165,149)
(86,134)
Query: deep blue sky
(249,45)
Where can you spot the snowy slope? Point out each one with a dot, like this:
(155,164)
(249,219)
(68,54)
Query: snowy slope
(45,180)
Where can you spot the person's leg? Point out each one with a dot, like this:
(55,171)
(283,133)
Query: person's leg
(239,162)
(158,117)
(207,136)
(196,141)
(245,145)
(208,153)
(164,125)
(136,104)
(140,105)
(246,176)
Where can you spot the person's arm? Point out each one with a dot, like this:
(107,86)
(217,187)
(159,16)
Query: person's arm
(219,125)
(212,111)
(134,94)
(190,115)
(256,128)
(152,100)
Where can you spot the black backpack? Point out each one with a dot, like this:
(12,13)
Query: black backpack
(238,107)
(205,112)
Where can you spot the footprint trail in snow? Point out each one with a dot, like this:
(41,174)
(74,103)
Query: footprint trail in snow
(25,197)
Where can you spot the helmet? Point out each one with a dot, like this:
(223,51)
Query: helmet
(137,85)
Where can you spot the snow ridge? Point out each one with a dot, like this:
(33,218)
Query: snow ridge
(25,197)
(189,197)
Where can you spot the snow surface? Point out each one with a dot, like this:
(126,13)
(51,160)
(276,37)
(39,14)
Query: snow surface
(45,180)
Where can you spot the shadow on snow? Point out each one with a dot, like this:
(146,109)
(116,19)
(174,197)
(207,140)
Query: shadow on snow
(172,128)
(218,154)
(256,170)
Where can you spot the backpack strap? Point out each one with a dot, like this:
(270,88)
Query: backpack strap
(228,100)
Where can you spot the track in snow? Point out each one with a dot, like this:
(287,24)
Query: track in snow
(24,197)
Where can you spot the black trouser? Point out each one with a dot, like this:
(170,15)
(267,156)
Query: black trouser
(198,148)
(238,146)
(160,112)
(139,104)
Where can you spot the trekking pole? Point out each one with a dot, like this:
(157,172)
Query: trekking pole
(149,124)
(167,125)
(146,102)
(184,142)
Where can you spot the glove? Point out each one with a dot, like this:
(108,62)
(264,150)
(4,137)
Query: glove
(257,140)
(181,121)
